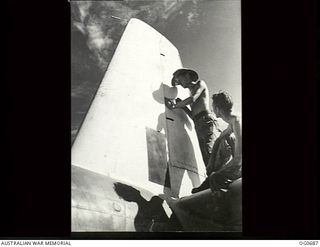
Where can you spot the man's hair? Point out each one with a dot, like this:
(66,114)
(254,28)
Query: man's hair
(193,75)
(223,101)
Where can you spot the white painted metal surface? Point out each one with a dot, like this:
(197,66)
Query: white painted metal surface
(112,139)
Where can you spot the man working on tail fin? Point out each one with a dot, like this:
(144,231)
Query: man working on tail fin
(204,122)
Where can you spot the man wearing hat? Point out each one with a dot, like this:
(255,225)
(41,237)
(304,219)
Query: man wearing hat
(205,124)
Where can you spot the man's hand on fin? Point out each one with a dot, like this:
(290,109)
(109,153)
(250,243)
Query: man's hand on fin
(169,103)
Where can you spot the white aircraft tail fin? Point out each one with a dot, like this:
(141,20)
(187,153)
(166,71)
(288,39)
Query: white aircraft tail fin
(128,133)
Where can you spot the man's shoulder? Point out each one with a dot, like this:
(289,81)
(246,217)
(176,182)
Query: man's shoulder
(199,85)
(202,83)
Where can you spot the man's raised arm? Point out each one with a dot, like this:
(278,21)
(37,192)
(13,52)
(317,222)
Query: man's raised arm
(194,96)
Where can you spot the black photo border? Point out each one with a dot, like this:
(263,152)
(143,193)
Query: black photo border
(279,104)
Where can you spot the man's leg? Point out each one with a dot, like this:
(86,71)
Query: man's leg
(205,185)
(215,181)
(206,136)
(205,150)
(221,179)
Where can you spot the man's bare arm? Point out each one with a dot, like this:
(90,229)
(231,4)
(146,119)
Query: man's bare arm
(186,109)
(194,96)
(171,105)
(184,102)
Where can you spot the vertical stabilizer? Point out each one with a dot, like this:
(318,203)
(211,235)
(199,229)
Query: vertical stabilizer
(128,133)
